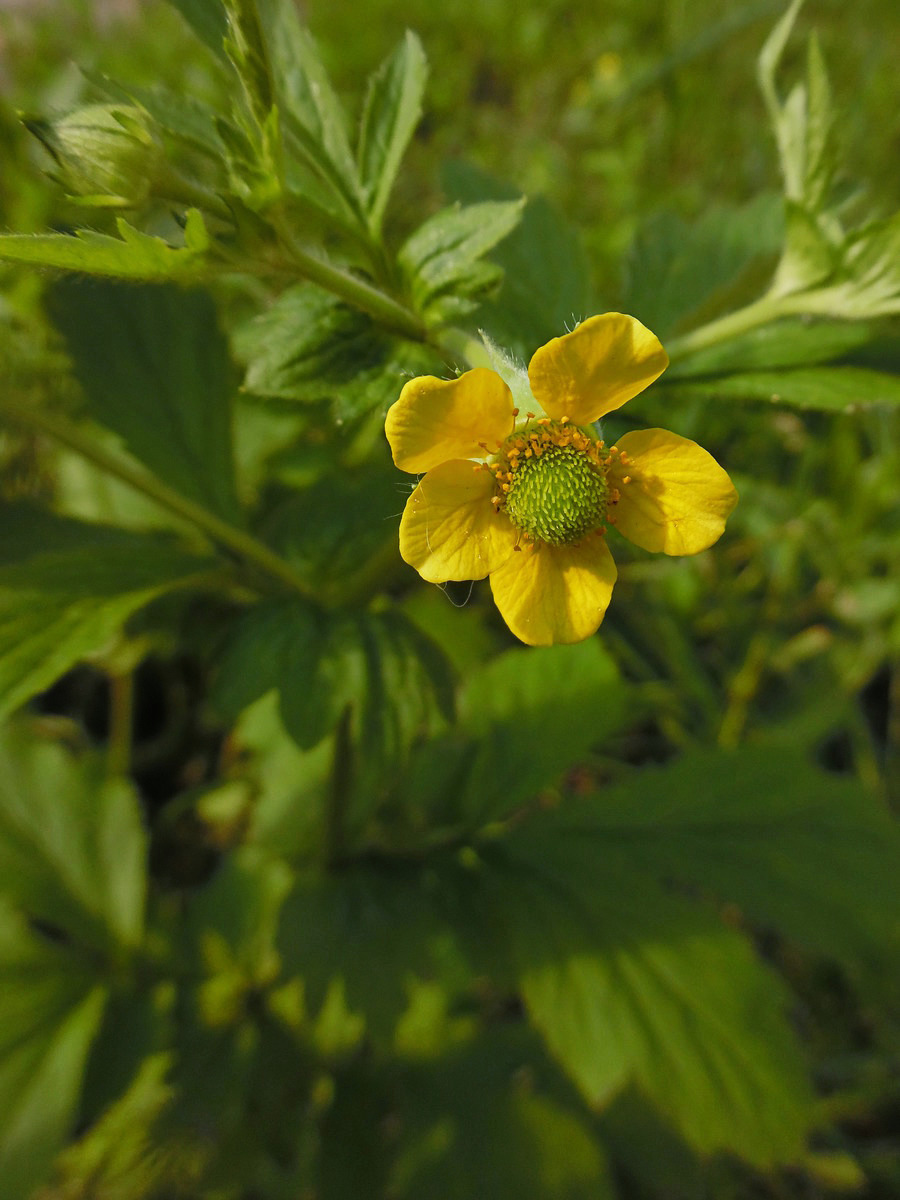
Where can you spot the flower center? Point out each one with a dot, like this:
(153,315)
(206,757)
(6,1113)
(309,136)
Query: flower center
(551,482)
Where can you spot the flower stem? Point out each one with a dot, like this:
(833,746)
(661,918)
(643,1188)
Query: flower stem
(243,545)
(761,312)
(378,304)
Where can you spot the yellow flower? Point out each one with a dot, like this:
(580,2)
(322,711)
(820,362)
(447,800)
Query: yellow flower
(526,498)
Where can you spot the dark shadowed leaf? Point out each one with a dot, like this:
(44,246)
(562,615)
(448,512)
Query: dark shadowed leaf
(155,369)
(395,683)
(533,714)
(482,1120)
(805,851)
(679,274)
(206,18)
(66,590)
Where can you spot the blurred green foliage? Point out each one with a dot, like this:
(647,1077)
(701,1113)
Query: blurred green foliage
(313,885)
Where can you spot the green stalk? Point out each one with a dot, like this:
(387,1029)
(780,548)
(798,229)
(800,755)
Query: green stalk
(386,311)
(121,714)
(338,792)
(239,543)
(761,312)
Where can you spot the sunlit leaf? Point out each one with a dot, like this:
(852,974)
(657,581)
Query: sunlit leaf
(50,1007)
(392,110)
(630,984)
(546,273)
(72,845)
(309,107)
(444,259)
(131,256)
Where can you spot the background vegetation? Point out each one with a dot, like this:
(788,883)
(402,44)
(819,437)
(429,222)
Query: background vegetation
(315,885)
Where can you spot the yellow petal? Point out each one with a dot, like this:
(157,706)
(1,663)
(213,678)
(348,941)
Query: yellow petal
(549,594)
(449,528)
(678,497)
(597,367)
(435,420)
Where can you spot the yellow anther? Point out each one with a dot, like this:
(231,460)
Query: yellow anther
(626,479)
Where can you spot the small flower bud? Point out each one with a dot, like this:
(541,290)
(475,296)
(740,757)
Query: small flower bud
(111,155)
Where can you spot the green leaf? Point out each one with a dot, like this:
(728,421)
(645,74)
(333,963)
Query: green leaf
(207,19)
(812,250)
(630,984)
(309,346)
(49,1012)
(443,260)
(72,844)
(340,530)
(290,786)
(392,678)
(369,930)
(118,1155)
(788,343)
(867,279)
(154,366)
(535,713)
(307,102)
(182,116)
(826,389)
(67,599)
(392,110)
(546,273)
(133,255)
(678,274)
(807,852)
(480,1121)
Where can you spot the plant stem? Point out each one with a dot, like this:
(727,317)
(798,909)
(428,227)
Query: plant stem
(338,792)
(387,311)
(121,709)
(761,312)
(242,545)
